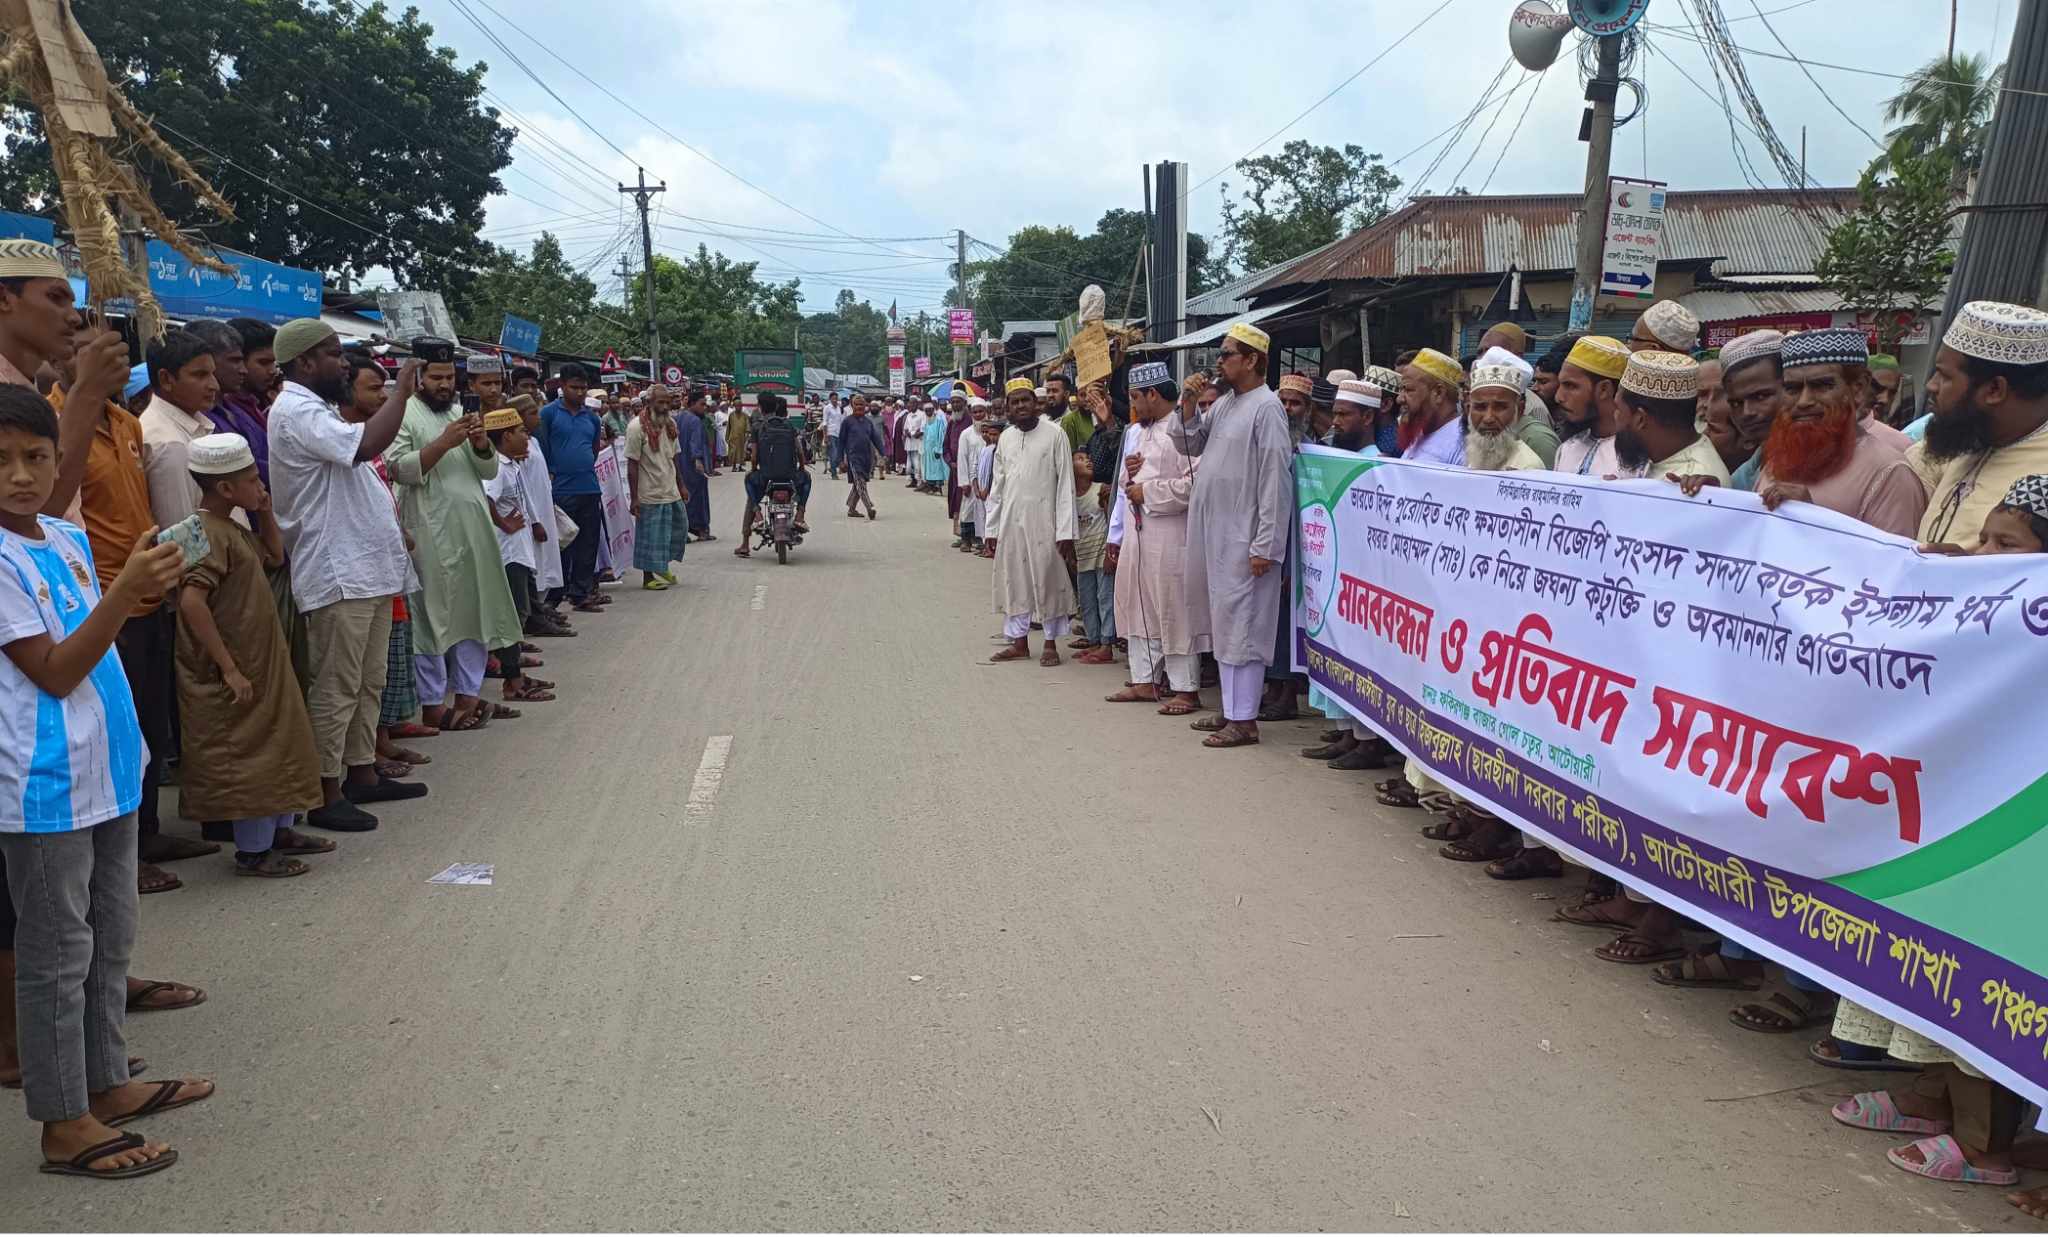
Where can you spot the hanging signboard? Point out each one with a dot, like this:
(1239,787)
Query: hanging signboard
(520,336)
(409,315)
(257,289)
(960,325)
(924,367)
(1635,238)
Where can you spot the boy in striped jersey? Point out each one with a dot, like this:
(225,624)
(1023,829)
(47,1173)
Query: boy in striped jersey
(71,756)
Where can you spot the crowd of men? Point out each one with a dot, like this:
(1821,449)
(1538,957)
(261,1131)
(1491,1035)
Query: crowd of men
(266,568)
(1197,517)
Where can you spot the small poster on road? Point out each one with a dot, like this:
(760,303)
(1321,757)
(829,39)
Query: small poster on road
(464,874)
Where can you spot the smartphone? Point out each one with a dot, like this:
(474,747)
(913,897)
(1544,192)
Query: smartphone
(189,535)
(471,402)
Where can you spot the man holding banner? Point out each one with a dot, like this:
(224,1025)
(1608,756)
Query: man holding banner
(1238,529)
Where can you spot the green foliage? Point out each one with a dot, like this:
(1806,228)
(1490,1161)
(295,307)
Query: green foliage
(849,338)
(1303,197)
(350,108)
(1946,108)
(709,307)
(1042,271)
(543,287)
(1891,257)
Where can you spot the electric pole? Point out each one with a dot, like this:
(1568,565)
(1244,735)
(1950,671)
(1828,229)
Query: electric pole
(960,351)
(2004,254)
(1597,132)
(641,193)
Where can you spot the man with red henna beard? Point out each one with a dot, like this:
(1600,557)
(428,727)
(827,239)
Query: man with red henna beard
(1819,451)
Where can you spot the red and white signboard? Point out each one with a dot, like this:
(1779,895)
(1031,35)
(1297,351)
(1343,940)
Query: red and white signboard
(960,325)
(672,375)
(611,363)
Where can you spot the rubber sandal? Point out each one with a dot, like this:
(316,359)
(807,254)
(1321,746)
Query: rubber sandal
(76,1165)
(1579,917)
(1942,1159)
(1876,1110)
(160,1101)
(1704,971)
(1667,953)
(137,998)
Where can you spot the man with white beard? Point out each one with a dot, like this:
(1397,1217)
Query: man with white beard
(1494,404)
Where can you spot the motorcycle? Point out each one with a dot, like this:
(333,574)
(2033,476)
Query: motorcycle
(778,520)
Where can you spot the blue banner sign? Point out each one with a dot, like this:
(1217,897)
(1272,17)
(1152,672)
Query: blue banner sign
(257,289)
(33,227)
(520,336)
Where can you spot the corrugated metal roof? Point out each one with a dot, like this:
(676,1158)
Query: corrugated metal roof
(1235,297)
(1718,305)
(1749,231)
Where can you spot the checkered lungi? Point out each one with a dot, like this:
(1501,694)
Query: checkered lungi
(401,694)
(659,536)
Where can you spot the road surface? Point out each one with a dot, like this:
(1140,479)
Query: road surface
(804,918)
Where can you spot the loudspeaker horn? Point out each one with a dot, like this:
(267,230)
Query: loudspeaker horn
(1535,33)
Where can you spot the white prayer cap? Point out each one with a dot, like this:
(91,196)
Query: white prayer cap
(1996,331)
(1358,391)
(1745,348)
(1338,377)
(1497,367)
(219,455)
(1675,326)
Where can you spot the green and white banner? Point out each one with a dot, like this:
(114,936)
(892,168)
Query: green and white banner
(1792,727)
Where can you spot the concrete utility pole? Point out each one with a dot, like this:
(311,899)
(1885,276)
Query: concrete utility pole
(960,357)
(2004,255)
(641,193)
(1598,134)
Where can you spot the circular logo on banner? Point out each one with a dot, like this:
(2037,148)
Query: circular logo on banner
(672,374)
(1600,18)
(1318,566)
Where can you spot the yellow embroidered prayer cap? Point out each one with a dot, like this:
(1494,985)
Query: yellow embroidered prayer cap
(1439,367)
(1251,337)
(503,419)
(1599,354)
(1018,384)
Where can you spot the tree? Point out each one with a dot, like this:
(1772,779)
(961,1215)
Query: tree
(375,141)
(1042,271)
(1890,259)
(543,288)
(709,307)
(849,338)
(1946,107)
(1300,198)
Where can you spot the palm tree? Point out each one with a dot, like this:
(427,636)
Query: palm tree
(1946,110)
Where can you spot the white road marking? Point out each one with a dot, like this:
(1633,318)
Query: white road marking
(760,597)
(710,775)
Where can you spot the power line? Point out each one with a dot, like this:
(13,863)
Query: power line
(1498,112)
(1810,77)
(1686,32)
(462,7)
(1505,146)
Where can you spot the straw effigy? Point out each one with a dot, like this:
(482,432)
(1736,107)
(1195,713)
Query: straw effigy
(50,60)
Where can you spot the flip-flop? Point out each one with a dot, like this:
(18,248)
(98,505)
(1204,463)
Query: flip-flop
(1576,916)
(1876,1110)
(137,998)
(1942,1159)
(76,1165)
(160,1101)
(136,1067)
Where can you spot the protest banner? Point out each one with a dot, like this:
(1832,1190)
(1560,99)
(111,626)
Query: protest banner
(1789,726)
(617,533)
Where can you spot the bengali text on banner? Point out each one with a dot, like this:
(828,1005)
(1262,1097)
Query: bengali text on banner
(1789,726)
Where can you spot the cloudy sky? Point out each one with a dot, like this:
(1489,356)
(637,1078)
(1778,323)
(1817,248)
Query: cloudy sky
(897,121)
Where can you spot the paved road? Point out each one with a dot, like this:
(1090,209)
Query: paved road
(955,946)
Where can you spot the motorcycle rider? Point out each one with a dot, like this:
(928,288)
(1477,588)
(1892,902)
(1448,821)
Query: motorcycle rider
(773,454)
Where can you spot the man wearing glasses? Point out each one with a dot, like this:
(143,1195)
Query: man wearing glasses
(1239,524)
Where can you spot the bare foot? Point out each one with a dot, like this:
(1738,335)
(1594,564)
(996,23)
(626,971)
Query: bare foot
(2033,1202)
(64,1139)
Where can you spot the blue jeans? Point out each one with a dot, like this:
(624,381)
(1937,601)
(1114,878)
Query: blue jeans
(1097,590)
(832,457)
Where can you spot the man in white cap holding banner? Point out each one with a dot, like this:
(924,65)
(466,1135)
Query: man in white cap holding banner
(1240,517)
(1989,394)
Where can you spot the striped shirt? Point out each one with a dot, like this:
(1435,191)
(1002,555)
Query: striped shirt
(72,762)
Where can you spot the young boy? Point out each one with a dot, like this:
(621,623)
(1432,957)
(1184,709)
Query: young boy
(2018,525)
(70,780)
(249,754)
(545,619)
(517,549)
(992,428)
(1093,585)
(660,517)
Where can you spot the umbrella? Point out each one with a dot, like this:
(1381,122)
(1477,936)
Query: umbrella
(944,389)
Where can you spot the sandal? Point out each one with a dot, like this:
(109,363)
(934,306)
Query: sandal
(1530,863)
(161,1099)
(499,713)
(150,878)
(1632,949)
(1589,915)
(470,721)
(1840,1054)
(1876,1110)
(1011,653)
(1051,655)
(1707,970)
(393,768)
(534,692)
(291,842)
(1232,736)
(1209,725)
(1455,829)
(80,1165)
(1171,707)
(139,1002)
(272,865)
(1784,1010)
(1396,792)
(1465,852)
(1129,696)
(1942,1159)
(410,756)
(413,730)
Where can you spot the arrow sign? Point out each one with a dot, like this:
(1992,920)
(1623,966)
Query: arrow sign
(1638,278)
